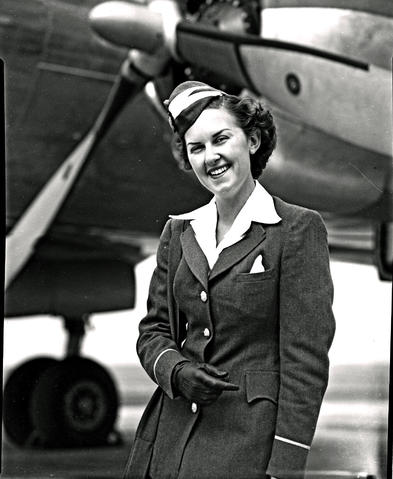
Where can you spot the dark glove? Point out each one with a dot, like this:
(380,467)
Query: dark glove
(201,383)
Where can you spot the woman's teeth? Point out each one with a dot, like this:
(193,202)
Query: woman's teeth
(218,171)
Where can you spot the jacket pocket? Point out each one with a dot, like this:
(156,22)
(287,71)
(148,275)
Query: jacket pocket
(262,385)
(251,277)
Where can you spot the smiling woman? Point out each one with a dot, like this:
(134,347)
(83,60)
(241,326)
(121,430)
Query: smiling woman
(249,116)
(239,319)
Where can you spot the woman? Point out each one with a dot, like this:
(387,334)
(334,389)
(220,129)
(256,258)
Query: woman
(239,319)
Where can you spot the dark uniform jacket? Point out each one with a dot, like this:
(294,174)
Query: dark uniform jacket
(270,330)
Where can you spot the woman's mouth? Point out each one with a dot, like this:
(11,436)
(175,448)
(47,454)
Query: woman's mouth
(216,172)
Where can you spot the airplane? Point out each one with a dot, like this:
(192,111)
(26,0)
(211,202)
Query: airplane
(89,188)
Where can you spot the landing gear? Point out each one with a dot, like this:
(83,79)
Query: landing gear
(18,393)
(68,403)
(75,404)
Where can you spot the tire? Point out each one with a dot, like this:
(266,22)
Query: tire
(75,404)
(17,398)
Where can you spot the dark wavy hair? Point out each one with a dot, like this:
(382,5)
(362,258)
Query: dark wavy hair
(250,116)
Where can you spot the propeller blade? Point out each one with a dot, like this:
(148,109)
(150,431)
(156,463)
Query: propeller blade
(38,217)
(152,38)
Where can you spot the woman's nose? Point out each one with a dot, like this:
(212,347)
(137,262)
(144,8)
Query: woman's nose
(211,155)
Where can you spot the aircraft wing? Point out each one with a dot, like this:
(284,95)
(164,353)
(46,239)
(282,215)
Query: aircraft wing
(350,239)
(77,270)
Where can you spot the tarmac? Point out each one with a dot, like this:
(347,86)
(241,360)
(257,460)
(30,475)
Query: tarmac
(97,463)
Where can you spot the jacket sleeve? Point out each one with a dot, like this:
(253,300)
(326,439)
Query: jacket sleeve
(156,348)
(306,332)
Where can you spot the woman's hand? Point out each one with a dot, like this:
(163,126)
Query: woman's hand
(202,383)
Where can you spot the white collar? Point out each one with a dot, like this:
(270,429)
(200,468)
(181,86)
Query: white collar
(259,208)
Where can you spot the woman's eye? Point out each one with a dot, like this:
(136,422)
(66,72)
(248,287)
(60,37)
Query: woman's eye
(221,139)
(195,149)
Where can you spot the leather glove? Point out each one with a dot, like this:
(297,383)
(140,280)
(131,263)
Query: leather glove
(201,383)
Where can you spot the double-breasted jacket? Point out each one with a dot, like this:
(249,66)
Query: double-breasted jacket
(270,330)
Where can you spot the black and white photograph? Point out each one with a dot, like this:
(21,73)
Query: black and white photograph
(199,239)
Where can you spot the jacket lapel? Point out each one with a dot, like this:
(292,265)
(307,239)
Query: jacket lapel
(235,253)
(194,256)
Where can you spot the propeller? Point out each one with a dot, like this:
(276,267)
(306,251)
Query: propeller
(136,71)
(159,27)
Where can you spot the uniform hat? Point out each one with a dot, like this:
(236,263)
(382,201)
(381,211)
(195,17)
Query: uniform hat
(186,103)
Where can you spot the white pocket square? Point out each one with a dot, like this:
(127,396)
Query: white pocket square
(257,267)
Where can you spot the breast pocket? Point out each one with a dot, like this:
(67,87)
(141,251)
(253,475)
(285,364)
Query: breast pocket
(255,294)
(252,277)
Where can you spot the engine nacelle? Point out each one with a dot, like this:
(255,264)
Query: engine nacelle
(71,288)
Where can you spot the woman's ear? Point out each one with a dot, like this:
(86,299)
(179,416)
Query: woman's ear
(254,141)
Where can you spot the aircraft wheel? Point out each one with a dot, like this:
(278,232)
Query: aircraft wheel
(17,398)
(75,404)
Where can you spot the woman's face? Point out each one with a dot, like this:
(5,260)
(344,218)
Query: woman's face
(219,153)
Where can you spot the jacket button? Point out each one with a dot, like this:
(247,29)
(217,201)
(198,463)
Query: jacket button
(194,407)
(203,296)
(206,332)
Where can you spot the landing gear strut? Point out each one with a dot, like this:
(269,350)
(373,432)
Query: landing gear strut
(68,403)
(76,329)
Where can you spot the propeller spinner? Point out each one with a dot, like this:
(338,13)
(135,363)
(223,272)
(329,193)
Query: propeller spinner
(149,29)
